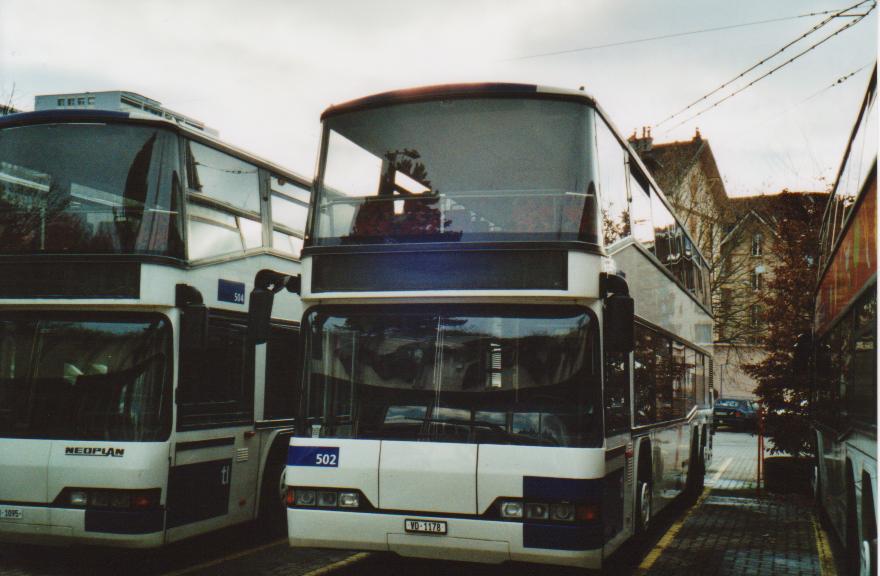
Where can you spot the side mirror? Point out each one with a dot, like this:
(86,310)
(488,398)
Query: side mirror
(266,284)
(193,318)
(619,324)
(259,314)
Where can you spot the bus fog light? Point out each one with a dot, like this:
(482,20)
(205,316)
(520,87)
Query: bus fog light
(100,499)
(305,498)
(79,498)
(563,512)
(537,511)
(120,500)
(349,500)
(327,499)
(511,509)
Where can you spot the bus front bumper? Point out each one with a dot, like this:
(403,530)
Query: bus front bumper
(68,526)
(466,540)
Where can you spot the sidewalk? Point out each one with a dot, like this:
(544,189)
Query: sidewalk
(733,531)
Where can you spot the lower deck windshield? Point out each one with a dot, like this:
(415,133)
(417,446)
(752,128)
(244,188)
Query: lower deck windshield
(473,375)
(75,378)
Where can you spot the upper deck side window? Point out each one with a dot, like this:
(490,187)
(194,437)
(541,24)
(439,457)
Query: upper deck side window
(290,207)
(862,158)
(223,215)
(89,189)
(656,229)
(615,210)
(459,170)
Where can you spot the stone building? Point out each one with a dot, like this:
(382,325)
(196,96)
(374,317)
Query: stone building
(735,235)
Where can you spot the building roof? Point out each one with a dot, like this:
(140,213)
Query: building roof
(767,208)
(670,162)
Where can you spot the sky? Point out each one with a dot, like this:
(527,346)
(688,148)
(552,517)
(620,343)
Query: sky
(261,72)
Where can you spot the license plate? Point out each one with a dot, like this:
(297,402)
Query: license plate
(425,526)
(7,513)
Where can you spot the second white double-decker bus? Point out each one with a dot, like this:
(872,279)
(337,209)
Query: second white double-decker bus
(133,410)
(477,386)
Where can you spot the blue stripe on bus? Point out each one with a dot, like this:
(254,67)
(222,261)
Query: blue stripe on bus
(546,489)
(556,537)
(125,521)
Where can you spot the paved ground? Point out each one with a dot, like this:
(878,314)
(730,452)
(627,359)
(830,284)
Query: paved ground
(729,531)
(735,531)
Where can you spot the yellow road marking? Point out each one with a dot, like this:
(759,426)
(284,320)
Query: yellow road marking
(353,559)
(216,561)
(721,470)
(670,535)
(827,567)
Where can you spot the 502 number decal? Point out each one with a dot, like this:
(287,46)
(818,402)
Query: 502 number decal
(323,456)
(322,459)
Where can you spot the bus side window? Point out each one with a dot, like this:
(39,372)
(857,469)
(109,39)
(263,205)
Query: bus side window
(644,377)
(616,391)
(282,373)
(216,385)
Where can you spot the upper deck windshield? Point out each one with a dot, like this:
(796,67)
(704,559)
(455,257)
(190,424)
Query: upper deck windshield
(74,378)
(89,188)
(518,376)
(487,169)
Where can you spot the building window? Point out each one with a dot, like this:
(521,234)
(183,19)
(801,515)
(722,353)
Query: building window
(757,244)
(71,101)
(81,101)
(91,100)
(758,278)
(61,101)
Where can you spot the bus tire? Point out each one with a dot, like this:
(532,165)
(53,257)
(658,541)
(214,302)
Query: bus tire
(644,492)
(869,528)
(273,508)
(696,469)
(644,506)
(855,550)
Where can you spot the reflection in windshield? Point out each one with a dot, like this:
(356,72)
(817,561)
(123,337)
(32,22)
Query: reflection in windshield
(88,188)
(459,170)
(84,380)
(453,376)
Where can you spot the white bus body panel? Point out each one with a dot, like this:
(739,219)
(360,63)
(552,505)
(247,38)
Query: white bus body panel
(435,479)
(468,540)
(67,463)
(501,468)
(428,477)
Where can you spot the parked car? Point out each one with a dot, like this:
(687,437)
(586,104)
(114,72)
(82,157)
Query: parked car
(737,413)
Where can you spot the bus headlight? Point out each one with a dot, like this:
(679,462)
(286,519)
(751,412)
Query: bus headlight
(304,498)
(327,499)
(537,511)
(79,498)
(562,512)
(511,509)
(349,500)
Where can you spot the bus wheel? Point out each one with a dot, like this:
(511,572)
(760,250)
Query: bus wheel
(643,520)
(856,560)
(273,493)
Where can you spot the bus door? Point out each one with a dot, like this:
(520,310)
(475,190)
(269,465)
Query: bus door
(216,453)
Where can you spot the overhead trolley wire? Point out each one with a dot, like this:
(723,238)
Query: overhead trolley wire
(786,63)
(673,35)
(834,14)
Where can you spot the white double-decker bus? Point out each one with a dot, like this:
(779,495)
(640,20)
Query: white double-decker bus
(845,333)
(133,409)
(476,384)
